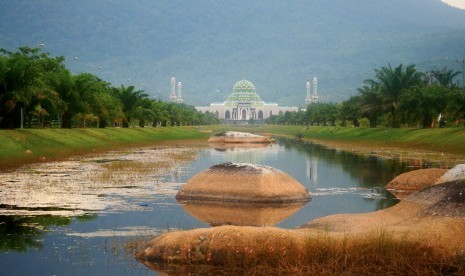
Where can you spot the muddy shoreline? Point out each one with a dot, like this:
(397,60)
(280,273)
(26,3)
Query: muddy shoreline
(416,156)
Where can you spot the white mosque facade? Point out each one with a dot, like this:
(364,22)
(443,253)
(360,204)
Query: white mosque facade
(245,104)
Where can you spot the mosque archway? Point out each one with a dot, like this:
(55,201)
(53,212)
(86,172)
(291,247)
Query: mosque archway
(271,113)
(227,115)
(217,114)
(244,114)
(260,115)
(280,113)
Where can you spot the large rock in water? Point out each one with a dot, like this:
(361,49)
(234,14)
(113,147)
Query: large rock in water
(410,182)
(242,182)
(239,137)
(454,174)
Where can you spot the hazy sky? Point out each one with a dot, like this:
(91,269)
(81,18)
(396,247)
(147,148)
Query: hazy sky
(456,3)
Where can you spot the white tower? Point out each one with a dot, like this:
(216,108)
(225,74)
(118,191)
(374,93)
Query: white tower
(315,97)
(179,98)
(308,99)
(173,89)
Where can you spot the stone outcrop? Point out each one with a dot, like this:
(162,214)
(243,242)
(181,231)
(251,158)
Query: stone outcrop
(434,216)
(456,173)
(239,137)
(409,182)
(242,182)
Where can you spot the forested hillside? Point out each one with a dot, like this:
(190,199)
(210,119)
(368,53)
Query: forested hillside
(210,44)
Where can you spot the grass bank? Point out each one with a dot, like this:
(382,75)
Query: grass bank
(450,140)
(34,145)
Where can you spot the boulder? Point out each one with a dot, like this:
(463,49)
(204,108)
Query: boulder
(239,137)
(409,182)
(242,182)
(456,173)
(433,218)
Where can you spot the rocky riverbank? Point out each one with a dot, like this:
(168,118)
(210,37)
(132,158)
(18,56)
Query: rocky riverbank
(432,220)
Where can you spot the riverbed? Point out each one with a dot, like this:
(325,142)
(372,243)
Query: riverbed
(87,214)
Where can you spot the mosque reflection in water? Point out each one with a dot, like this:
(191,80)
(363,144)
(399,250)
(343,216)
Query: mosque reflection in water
(366,177)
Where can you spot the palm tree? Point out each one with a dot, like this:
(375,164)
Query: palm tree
(22,81)
(64,84)
(456,105)
(130,100)
(370,102)
(349,111)
(425,104)
(446,77)
(392,83)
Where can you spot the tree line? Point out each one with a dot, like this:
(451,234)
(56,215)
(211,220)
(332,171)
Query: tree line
(395,97)
(37,90)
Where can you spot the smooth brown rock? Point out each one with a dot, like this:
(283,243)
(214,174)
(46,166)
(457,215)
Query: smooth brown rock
(242,182)
(434,217)
(409,182)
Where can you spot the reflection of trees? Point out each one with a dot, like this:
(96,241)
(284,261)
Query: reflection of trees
(19,233)
(369,170)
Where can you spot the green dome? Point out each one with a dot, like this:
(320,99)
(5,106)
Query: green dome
(244,86)
(243,92)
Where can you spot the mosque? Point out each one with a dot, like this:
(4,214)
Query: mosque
(245,104)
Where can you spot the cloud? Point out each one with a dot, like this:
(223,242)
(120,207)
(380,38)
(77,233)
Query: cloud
(455,3)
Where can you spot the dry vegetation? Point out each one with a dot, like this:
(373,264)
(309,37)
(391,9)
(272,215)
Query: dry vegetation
(377,252)
(423,235)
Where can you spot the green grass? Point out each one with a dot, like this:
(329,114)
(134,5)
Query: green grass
(451,140)
(31,145)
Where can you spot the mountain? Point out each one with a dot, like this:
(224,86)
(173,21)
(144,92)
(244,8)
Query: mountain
(211,44)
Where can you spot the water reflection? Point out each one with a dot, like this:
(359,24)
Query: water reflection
(241,214)
(369,171)
(338,181)
(20,233)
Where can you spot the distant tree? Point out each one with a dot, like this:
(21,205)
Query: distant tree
(130,100)
(349,111)
(143,112)
(370,102)
(456,105)
(63,83)
(392,83)
(322,114)
(446,77)
(22,82)
(423,105)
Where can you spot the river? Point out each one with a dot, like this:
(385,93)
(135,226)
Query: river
(86,215)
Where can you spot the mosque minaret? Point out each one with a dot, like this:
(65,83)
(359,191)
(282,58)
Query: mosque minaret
(173,97)
(179,99)
(314,98)
(308,99)
(173,89)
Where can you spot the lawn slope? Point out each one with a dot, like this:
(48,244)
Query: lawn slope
(33,145)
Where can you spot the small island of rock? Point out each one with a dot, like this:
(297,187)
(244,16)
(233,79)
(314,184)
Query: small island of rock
(239,137)
(242,182)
